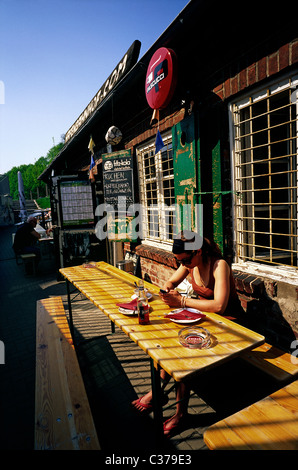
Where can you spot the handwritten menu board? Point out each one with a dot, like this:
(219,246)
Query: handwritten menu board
(117,170)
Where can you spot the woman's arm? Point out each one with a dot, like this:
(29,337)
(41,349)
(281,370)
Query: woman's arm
(221,273)
(176,278)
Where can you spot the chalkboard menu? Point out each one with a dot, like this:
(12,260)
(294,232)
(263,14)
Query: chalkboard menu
(118,177)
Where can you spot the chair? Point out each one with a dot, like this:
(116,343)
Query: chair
(24,258)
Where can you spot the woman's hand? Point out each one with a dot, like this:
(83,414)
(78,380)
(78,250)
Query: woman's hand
(172,298)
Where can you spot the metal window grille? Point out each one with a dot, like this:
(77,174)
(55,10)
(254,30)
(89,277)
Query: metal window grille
(266,175)
(156,181)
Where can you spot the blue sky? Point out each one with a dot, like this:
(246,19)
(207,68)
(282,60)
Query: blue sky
(54,57)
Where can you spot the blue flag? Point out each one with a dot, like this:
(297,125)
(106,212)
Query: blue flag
(158,142)
(92,164)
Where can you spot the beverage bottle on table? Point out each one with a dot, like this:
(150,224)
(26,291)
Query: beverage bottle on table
(143,306)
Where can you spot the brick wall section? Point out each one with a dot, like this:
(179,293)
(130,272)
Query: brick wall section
(271,308)
(161,256)
(248,287)
(156,264)
(265,67)
(164,124)
(155,272)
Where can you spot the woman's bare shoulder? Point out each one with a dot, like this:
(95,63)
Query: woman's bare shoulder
(221,266)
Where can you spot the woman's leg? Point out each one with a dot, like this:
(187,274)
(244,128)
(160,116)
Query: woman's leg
(182,397)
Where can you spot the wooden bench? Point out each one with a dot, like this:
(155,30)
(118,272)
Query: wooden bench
(269,424)
(63,419)
(278,364)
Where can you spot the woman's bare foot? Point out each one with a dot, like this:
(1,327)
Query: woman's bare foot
(143,404)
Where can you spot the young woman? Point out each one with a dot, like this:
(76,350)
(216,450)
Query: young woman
(213,283)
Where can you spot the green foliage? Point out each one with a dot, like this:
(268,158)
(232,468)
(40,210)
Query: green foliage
(44,202)
(33,187)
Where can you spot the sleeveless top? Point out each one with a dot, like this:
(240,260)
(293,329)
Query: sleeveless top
(233,306)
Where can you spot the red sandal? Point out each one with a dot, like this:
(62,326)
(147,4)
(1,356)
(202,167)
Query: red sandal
(168,430)
(147,407)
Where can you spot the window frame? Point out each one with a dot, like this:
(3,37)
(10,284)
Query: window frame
(285,83)
(160,208)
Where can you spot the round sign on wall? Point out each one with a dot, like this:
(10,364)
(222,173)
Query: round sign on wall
(161,78)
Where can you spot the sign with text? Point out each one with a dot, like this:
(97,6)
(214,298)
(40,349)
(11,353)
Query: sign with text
(118,190)
(117,170)
(76,203)
(161,78)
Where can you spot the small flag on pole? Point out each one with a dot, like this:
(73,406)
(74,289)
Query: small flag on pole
(158,142)
(92,168)
(91,145)
(92,164)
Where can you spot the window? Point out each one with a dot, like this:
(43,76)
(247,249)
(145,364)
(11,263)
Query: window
(156,179)
(265,168)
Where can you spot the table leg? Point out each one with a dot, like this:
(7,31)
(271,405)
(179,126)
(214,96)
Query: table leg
(157,403)
(70,311)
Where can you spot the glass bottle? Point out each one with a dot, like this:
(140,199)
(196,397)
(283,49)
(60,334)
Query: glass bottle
(143,306)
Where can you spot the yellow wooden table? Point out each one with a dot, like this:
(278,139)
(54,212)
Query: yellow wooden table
(106,285)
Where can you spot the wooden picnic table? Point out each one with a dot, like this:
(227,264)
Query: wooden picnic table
(106,285)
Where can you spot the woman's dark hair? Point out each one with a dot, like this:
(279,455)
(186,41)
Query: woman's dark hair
(209,247)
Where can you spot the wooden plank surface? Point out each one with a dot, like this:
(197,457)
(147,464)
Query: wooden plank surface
(269,424)
(106,286)
(63,420)
(273,361)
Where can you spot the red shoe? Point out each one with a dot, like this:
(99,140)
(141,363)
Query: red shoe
(147,407)
(169,430)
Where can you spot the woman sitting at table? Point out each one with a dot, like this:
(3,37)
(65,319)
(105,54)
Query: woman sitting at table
(213,282)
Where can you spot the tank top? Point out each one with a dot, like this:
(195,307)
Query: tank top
(207,292)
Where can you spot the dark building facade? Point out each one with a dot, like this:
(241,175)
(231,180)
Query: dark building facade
(228,164)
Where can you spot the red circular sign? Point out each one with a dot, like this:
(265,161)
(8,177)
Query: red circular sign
(161,78)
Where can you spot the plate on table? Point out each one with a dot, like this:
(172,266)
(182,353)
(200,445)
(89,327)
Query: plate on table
(126,311)
(185,316)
